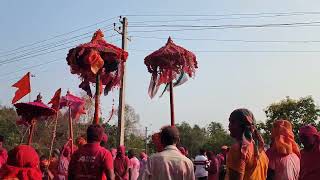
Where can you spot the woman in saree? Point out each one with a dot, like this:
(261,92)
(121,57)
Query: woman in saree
(246,159)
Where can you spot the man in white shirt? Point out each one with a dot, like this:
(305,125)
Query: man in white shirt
(169,164)
(200,162)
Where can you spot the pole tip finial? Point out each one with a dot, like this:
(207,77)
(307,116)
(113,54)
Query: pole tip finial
(39,98)
(169,40)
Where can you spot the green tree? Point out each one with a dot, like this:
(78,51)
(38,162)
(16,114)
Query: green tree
(193,138)
(8,127)
(298,112)
(217,137)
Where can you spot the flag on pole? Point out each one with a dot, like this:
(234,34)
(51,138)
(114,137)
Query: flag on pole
(23,86)
(55,101)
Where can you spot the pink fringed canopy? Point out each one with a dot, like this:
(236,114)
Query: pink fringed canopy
(169,61)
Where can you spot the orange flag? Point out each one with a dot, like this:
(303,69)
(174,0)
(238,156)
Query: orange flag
(23,86)
(55,101)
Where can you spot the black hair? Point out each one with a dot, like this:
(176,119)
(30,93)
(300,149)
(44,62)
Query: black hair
(169,135)
(131,153)
(202,151)
(94,133)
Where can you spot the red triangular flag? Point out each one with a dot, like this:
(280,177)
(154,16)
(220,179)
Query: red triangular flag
(55,101)
(23,86)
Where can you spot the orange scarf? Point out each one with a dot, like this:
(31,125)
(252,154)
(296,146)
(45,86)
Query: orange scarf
(283,138)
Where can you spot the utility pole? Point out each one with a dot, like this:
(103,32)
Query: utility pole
(146,141)
(121,109)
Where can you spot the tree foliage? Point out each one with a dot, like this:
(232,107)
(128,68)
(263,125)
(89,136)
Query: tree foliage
(299,112)
(210,138)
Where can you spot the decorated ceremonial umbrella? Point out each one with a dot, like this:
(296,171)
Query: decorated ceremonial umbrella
(97,62)
(170,65)
(76,108)
(32,111)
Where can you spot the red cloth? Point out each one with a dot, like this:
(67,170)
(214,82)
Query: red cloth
(213,169)
(3,157)
(75,103)
(55,101)
(308,130)
(121,164)
(90,162)
(310,164)
(182,150)
(23,163)
(23,86)
(104,138)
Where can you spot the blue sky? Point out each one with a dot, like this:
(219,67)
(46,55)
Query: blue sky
(224,81)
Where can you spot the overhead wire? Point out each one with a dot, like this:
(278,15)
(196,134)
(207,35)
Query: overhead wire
(31,67)
(60,35)
(228,25)
(226,40)
(41,64)
(37,53)
(56,44)
(215,19)
(222,15)
(240,51)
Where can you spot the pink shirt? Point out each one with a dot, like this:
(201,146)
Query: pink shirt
(285,167)
(169,164)
(134,166)
(90,162)
(120,166)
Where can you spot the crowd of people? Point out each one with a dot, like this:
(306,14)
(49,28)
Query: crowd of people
(246,159)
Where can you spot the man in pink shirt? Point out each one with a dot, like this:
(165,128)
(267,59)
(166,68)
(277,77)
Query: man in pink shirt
(134,165)
(91,161)
(121,164)
(3,152)
(169,164)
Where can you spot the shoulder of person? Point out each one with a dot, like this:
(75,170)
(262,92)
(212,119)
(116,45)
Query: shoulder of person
(201,158)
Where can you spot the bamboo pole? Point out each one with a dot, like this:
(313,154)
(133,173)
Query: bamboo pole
(171,104)
(97,100)
(54,132)
(70,130)
(33,122)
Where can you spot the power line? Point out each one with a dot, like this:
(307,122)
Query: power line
(34,54)
(240,51)
(215,19)
(38,65)
(60,35)
(54,43)
(229,25)
(223,15)
(31,67)
(227,40)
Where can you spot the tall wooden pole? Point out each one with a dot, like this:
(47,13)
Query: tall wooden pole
(146,140)
(97,100)
(70,130)
(171,104)
(54,132)
(121,116)
(33,122)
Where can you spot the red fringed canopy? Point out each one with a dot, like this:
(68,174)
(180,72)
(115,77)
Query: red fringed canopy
(88,59)
(34,109)
(169,61)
